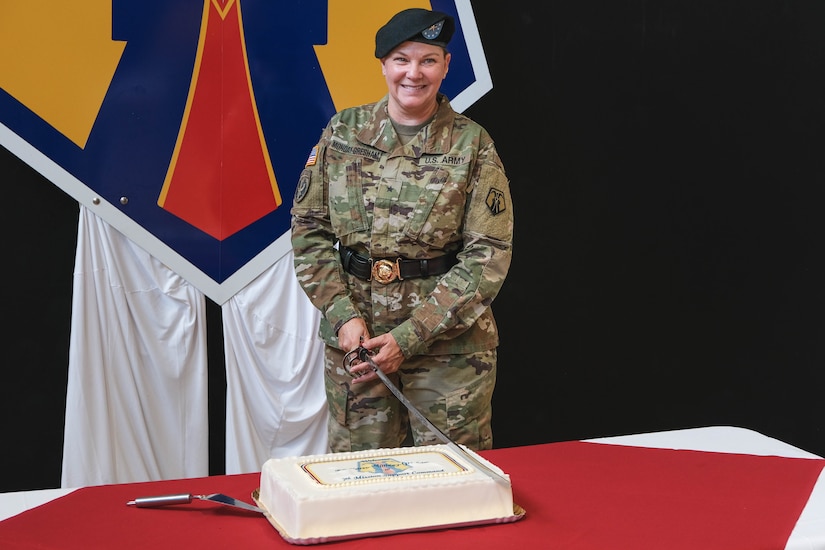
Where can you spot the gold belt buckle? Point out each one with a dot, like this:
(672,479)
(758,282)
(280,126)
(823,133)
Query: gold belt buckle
(385,271)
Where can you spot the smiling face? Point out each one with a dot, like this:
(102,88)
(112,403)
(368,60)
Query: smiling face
(414,72)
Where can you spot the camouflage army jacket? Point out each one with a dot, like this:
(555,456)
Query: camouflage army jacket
(445,190)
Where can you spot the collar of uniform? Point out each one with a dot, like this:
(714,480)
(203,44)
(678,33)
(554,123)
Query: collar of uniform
(378,133)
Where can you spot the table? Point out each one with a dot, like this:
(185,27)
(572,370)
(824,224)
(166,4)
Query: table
(714,487)
(809,531)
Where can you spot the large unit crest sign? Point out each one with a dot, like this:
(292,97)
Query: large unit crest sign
(185,124)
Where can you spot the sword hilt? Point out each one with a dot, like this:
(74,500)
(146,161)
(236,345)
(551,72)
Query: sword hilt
(361,353)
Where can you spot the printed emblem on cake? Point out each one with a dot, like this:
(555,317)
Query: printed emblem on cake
(386,466)
(382,468)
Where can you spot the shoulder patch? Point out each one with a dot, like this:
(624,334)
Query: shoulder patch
(495,201)
(303,186)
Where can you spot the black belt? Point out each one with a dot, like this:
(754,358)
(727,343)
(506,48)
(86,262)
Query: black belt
(385,270)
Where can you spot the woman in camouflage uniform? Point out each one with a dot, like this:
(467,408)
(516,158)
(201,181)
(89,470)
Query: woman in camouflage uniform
(402,230)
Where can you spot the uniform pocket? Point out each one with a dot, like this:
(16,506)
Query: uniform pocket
(346,199)
(469,413)
(336,399)
(439,211)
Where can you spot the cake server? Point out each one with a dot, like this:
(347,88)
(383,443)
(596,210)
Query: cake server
(186,498)
(366,355)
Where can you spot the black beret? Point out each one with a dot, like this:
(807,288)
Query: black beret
(416,25)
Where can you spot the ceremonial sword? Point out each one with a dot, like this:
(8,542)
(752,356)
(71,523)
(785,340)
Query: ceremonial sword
(366,355)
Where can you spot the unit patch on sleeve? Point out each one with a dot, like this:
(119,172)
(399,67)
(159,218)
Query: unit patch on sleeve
(495,201)
(303,186)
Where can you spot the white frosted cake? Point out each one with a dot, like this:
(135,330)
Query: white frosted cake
(341,495)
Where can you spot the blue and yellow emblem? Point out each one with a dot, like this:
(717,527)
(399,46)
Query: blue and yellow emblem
(383,466)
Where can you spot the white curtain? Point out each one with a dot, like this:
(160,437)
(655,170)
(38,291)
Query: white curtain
(275,401)
(136,401)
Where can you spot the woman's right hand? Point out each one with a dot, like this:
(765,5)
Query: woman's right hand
(352,333)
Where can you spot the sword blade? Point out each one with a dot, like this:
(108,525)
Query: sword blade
(430,426)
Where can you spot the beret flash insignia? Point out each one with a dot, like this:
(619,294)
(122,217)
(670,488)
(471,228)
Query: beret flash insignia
(432,32)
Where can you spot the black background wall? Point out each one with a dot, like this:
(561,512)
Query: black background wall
(667,161)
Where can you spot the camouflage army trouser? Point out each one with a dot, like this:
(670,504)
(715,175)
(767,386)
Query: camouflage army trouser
(453,391)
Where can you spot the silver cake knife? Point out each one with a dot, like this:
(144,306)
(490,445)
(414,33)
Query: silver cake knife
(186,498)
(365,355)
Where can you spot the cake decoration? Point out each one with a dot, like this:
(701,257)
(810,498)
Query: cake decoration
(321,498)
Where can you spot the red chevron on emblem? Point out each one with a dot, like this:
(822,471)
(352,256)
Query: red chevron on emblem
(220,178)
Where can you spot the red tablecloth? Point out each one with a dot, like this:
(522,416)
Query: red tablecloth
(577,496)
